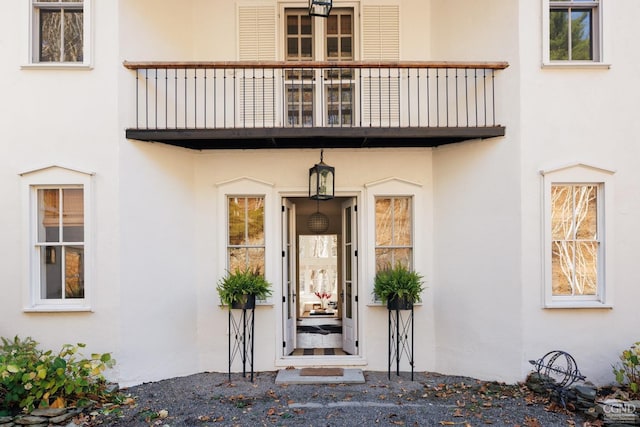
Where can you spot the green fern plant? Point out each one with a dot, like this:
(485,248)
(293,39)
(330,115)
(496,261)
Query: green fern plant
(398,282)
(233,287)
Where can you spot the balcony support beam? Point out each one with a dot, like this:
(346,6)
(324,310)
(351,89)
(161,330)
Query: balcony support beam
(313,137)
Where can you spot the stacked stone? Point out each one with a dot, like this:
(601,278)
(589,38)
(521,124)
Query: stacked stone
(43,418)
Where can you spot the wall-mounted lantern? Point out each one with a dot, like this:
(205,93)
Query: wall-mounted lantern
(320,7)
(321,181)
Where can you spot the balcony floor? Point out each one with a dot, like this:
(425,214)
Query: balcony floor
(313,137)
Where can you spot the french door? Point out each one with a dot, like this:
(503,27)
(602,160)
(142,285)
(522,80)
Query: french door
(349,277)
(288,277)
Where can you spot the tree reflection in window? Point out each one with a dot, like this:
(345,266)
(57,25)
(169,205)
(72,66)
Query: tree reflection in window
(246,244)
(575,239)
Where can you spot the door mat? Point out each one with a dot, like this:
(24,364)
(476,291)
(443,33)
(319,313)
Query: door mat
(321,372)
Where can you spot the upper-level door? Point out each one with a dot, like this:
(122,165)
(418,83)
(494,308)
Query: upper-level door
(319,97)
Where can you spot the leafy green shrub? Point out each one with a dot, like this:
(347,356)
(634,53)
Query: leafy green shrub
(31,378)
(234,286)
(627,372)
(397,282)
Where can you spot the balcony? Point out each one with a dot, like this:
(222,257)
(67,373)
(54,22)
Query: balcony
(251,105)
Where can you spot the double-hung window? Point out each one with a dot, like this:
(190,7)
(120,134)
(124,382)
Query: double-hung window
(577,232)
(59,226)
(60,242)
(246,237)
(574,30)
(59,31)
(394,230)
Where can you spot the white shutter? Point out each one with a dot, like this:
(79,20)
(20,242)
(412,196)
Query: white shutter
(380,33)
(380,88)
(257,33)
(256,42)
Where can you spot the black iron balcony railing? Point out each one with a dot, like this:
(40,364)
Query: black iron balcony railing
(306,104)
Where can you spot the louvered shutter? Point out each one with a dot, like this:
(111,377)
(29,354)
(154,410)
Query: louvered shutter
(381,88)
(257,42)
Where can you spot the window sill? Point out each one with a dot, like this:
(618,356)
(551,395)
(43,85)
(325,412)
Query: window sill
(57,309)
(577,304)
(56,66)
(379,304)
(576,65)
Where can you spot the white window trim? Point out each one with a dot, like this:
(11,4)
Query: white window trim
(396,187)
(87,36)
(249,187)
(599,52)
(54,176)
(581,173)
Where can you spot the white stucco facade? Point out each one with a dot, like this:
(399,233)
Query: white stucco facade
(158,219)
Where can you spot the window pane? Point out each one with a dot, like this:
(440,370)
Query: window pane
(50,272)
(256,259)
(581,34)
(74,272)
(292,47)
(292,25)
(345,46)
(586,212)
(237,259)
(345,24)
(402,221)
(332,24)
(586,268)
(332,47)
(384,222)
(561,212)
(237,221)
(383,258)
(255,221)
(73,36)
(306,48)
(50,35)
(48,216)
(402,256)
(73,215)
(561,268)
(305,24)
(559,35)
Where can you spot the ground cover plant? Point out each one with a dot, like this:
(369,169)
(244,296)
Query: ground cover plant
(627,371)
(34,378)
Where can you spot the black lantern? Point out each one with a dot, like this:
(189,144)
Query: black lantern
(321,181)
(320,7)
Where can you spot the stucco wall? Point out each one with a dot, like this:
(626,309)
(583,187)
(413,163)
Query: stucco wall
(582,115)
(477,219)
(66,118)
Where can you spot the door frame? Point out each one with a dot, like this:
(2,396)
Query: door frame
(286,360)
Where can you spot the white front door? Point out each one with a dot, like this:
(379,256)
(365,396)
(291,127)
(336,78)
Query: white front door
(288,277)
(349,277)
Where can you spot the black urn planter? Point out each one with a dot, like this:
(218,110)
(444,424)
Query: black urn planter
(246,302)
(399,303)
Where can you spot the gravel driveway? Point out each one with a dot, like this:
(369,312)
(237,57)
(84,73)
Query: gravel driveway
(209,399)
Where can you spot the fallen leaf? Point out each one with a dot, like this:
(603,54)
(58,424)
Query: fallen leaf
(531,422)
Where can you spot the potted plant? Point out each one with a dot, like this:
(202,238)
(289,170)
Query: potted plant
(241,288)
(398,287)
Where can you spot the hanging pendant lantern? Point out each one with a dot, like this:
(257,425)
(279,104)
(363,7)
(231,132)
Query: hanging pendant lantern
(320,7)
(321,181)
(318,222)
